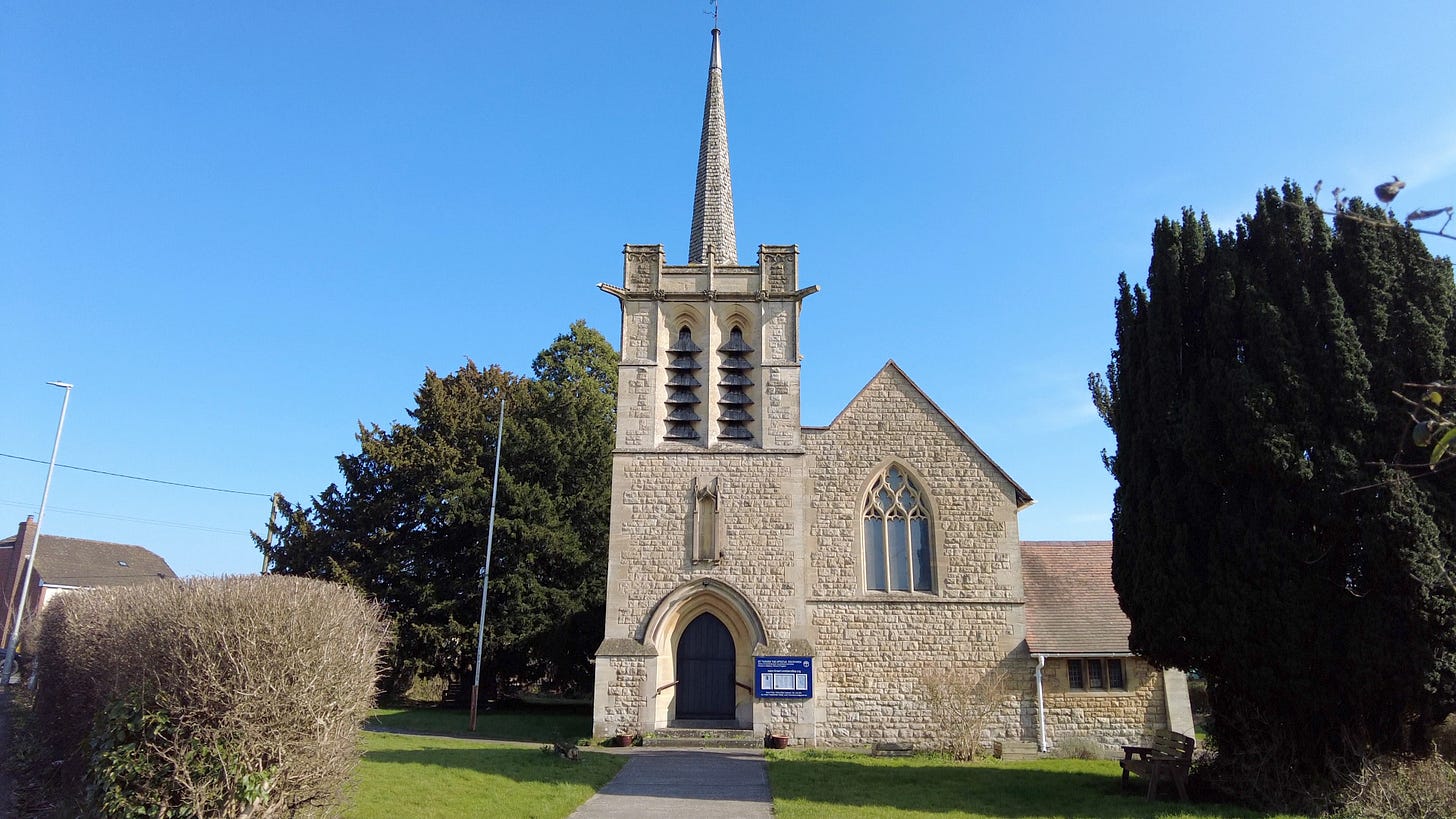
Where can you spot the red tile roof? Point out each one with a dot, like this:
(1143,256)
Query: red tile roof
(1071,606)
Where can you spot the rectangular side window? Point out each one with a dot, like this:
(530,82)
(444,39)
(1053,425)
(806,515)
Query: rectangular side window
(1074,675)
(1115,677)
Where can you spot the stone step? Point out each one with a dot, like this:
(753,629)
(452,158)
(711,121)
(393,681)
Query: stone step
(703,738)
(701,742)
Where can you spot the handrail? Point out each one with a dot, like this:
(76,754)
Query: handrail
(662,688)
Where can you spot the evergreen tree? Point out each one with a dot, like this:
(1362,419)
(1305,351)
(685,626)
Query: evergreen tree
(1262,534)
(409,524)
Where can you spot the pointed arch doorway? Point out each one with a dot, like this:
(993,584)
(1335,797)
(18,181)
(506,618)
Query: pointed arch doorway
(705,663)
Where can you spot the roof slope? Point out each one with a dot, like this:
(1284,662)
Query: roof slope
(892,370)
(1071,605)
(69,561)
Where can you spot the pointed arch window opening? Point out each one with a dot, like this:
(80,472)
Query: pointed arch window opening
(734,381)
(682,388)
(897,551)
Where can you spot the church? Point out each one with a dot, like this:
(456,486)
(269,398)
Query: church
(770,577)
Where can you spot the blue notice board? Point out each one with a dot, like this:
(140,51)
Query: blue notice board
(783,678)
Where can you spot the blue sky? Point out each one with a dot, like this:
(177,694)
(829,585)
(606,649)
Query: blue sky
(239,229)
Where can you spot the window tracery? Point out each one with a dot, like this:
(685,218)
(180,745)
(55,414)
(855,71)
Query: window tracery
(897,551)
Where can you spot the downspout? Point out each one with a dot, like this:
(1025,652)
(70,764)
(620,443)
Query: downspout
(1041,740)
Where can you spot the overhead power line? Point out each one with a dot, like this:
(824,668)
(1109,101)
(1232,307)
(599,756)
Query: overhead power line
(129,519)
(140,478)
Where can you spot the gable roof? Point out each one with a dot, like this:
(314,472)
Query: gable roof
(70,561)
(1023,499)
(1071,605)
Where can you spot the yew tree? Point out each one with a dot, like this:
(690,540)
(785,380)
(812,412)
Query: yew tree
(1267,530)
(408,524)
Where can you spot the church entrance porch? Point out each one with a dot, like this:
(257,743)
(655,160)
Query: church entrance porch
(703,635)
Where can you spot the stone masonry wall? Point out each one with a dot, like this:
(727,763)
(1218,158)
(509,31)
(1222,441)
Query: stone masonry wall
(873,660)
(875,647)
(1109,718)
(977,544)
(625,678)
(761,534)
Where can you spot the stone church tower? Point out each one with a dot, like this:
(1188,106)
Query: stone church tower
(706,545)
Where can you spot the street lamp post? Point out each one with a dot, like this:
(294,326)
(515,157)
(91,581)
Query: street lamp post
(39,521)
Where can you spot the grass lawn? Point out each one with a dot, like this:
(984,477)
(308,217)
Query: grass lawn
(814,783)
(524,724)
(426,777)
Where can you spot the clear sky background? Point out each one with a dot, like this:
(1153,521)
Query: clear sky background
(241,228)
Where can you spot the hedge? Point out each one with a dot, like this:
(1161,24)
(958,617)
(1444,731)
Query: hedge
(209,696)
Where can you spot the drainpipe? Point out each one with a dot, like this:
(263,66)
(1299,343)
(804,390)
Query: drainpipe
(1040,706)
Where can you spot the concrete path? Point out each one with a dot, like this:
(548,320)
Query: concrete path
(671,782)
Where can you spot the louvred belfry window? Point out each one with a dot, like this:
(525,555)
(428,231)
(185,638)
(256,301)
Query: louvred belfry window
(734,379)
(896,535)
(682,388)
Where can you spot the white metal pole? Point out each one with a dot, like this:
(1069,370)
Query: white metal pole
(35,545)
(1041,739)
(485,578)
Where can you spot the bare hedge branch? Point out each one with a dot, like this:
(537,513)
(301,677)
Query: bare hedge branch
(966,705)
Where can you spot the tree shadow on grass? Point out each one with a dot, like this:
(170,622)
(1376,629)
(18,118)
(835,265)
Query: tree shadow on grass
(516,764)
(1002,790)
(537,725)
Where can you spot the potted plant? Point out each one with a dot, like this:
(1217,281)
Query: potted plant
(625,737)
(775,740)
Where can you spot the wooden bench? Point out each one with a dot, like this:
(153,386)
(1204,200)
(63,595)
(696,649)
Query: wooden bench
(1167,758)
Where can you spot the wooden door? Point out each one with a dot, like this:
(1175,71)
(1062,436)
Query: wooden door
(705,659)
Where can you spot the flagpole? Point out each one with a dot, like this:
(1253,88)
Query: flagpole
(485,575)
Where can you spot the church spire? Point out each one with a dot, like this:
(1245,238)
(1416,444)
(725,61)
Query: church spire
(713,198)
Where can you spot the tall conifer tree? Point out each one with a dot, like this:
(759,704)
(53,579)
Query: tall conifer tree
(409,524)
(1263,532)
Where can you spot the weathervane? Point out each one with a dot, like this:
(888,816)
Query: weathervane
(714,12)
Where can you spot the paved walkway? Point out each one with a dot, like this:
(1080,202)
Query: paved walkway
(671,782)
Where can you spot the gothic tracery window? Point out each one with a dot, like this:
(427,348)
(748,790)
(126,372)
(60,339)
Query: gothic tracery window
(897,553)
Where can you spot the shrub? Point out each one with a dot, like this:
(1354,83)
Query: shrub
(1401,788)
(426,690)
(209,696)
(964,705)
(1443,736)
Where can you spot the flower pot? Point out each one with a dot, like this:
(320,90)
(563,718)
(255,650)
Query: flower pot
(776,741)
(625,740)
